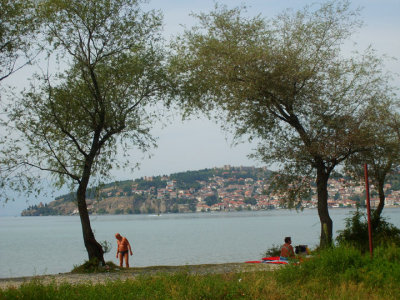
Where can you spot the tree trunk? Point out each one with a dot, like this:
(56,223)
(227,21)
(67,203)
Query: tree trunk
(379,209)
(323,212)
(93,248)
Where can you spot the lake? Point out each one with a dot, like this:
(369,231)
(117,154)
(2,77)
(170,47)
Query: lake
(51,245)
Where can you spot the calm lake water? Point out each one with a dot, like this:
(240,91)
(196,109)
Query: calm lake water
(50,245)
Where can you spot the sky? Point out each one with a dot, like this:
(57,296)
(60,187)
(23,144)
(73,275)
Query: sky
(200,143)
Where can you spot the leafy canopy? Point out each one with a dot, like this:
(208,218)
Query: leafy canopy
(282,82)
(74,123)
(17,28)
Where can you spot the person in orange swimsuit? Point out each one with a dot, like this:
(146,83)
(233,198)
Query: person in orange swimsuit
(287,249)
(122,249)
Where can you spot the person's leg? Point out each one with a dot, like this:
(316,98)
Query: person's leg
(127,259)
(121,258)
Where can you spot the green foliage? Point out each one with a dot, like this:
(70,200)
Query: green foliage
(18,26)
(118,211)
(250,201)
(339,265)
(356,198)
(288,66)
(150,210)
(174,286)
(115,72)
(146,184)
(184,180)
(191,176)
(45,210)
(111,71)
(190,179)
(174,209)
(284,83)
(106,246)
(355,233)
(211,200)
(382,155)
(101,211)
(94,266)
(275,250)
(362,279)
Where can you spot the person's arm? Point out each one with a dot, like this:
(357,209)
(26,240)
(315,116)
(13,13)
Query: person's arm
(291,250)
(129,246)
(117,250)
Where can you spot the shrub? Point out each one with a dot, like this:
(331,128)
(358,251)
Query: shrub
(94,266)
(106,246)
(355,233)
(275,250)
(344,265)
(327,265)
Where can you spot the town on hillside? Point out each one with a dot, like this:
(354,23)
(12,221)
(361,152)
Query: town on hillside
(218,189)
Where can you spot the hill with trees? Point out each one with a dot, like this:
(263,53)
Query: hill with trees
(218,189)
(178,192)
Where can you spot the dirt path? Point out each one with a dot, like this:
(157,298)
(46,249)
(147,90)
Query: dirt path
(131,273)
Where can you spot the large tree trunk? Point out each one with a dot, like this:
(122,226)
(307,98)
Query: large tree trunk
(94,249)
(323,212)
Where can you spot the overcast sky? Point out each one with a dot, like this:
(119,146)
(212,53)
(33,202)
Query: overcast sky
(199,143)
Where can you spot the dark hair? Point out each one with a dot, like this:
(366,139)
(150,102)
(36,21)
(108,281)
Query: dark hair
(287,239)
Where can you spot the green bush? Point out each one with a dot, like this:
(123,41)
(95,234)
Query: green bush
(328,264)
(275,250)
(355,233)
(343,265)
(106,246)
(94,266)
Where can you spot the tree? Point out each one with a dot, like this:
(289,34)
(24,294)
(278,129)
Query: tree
(250,201)
(73,125)
(17,29)
(383,154)
(284,83)
(337,196)
(211,200)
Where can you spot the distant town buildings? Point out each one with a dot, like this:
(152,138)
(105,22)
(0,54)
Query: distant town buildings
(221,193)
(219,189)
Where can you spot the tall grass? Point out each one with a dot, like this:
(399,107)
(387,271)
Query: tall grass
(355,233)
(347,266)
(256,285)
(337,273)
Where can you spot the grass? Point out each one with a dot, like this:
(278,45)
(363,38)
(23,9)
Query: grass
(93,266)
(337,273)
(345,272)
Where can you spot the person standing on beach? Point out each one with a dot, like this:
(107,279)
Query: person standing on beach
(122,250)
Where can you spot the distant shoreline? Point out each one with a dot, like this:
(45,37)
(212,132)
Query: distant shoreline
(206,212)
(198,213)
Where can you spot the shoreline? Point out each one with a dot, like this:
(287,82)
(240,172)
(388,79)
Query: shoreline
(132,273)
(188,213)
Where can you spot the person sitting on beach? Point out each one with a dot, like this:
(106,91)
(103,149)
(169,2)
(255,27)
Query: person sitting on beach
(122,249)
(287,249)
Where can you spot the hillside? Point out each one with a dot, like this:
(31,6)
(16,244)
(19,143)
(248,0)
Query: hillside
(217,189)
(179,192)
